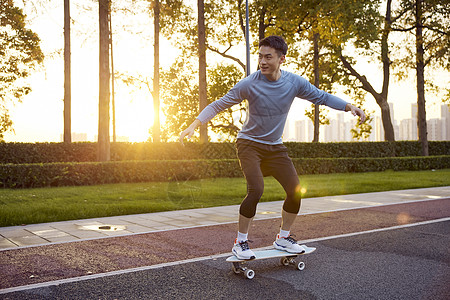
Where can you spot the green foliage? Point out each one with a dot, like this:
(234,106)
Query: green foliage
(76,174)
(52,164)
(19,53)
(73,174)
(323,120)
(436,30)
(179,89)
(27,153)
(361,130)
(221,79)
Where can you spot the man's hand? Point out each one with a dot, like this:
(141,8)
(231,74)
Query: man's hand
(356,112)
(189,131)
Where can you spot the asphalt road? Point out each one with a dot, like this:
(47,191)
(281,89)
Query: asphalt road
(405,263)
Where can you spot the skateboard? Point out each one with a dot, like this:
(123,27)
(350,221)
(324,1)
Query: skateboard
(286,260)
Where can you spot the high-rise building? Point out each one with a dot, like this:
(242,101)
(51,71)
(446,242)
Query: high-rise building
(414,117)
(76,137)
(445,117)
(300,131)
(434,130)
(407,128)
(286,136)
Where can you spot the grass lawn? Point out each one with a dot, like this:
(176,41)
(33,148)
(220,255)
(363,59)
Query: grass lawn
(29,206)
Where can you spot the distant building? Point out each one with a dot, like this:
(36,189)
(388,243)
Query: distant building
(340,131)
(445,117)
(76,137)
(300,131)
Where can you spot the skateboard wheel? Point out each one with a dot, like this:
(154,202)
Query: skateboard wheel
(301,266)
(284,261)
(249,273)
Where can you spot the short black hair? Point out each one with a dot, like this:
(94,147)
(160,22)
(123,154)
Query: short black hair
(276,42)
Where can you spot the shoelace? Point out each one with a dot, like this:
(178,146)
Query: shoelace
(244,245)
(290,239)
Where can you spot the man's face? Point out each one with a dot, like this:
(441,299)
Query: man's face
(269,61)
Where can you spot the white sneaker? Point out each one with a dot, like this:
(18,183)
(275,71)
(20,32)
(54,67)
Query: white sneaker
(288,244)
(242,251)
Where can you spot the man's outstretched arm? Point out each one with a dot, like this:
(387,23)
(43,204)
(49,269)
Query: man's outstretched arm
(190,130)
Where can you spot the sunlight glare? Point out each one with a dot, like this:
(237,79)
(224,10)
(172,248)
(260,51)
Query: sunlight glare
(134,117)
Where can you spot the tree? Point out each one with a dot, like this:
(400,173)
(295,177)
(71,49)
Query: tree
(67,75)
(113,79)
(156,132)
(202,67)
(380,97)
(20,53)
(104,76)
(429,22)
(420,71)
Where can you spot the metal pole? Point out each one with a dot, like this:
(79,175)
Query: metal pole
(247,38)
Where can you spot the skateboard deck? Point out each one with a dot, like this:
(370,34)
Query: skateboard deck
(286,260)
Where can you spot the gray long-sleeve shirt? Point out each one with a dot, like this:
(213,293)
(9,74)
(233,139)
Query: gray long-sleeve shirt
(268,104)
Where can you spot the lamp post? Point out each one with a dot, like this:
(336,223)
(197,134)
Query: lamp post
(247,39)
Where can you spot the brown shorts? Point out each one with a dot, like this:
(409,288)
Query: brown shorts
(258,160)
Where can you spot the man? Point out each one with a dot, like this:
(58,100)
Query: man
(270,93)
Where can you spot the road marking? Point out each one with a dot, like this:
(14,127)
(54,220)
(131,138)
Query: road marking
(214,257)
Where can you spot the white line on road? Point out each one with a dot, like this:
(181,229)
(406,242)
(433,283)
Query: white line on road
(132,270)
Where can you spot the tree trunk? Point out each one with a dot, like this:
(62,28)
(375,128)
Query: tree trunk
(386,119)
(202,67)
(103,107)
(316,84)
(67,75)
(420,66)
(156,121)
(382,98)
(113,98)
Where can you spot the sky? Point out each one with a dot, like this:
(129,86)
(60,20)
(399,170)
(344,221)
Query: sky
(39,118)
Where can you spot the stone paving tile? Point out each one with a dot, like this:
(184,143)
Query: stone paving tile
(50,233)
(6,244)
(15,232)
(66,227)
(28,240)
(87,234)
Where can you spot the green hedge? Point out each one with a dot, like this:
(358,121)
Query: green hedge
(21,153)
(90,173)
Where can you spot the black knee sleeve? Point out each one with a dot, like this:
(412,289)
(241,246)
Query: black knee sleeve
(292,203)
(248,206)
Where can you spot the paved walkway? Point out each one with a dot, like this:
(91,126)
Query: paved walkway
(77,230)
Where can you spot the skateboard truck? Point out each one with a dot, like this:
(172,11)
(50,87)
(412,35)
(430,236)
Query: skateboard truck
(290,260)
